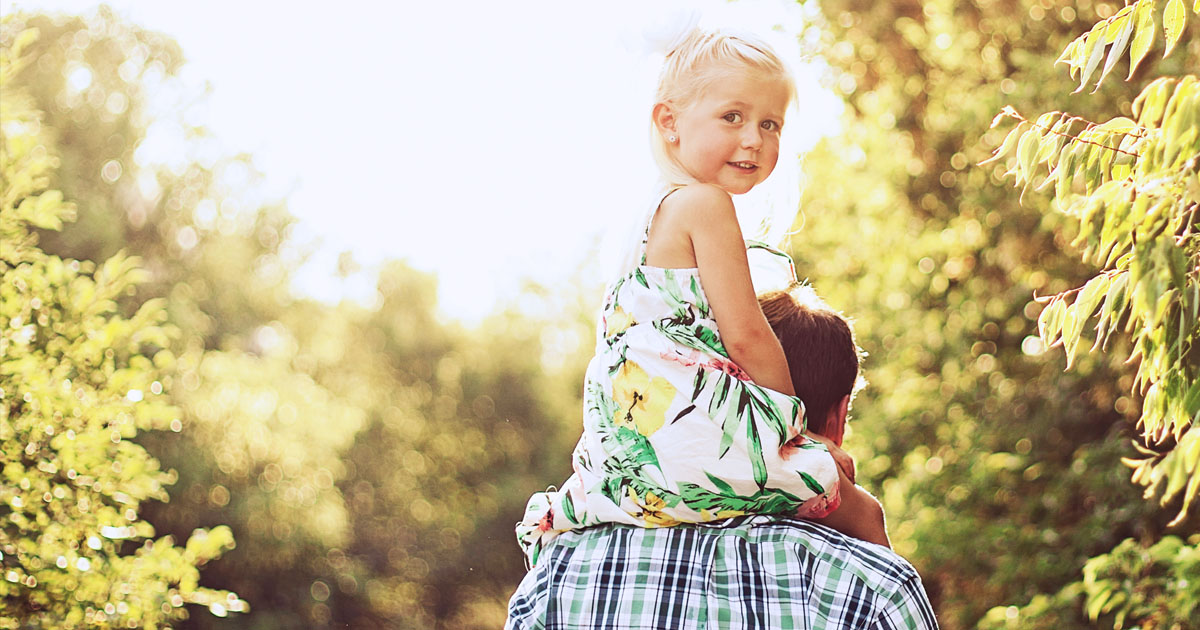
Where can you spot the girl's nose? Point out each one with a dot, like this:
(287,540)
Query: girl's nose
(752,137)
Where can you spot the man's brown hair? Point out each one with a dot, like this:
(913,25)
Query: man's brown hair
(819,344)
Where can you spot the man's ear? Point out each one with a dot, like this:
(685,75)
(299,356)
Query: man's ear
(664,117)
(835,422)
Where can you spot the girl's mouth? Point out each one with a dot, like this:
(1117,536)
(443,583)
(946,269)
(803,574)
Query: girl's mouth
(747,167)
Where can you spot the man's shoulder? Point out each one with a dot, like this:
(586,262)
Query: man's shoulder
(877,565)
(870,577)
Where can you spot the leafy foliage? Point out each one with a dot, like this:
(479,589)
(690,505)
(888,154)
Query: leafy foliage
(370,459)
(78,382)
(1136,206)
(1001,475)
(1133,184)
(1132,28)
(1161,597)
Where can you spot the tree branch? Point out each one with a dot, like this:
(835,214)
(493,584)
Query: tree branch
(1012,113)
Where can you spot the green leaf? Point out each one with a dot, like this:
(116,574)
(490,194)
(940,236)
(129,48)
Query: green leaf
(1112,308)
(1010,141)
(1124,25)
(1072,327)
(1068,53)
(1143,34)
(1049,143)
(1184,462)
(1150,104)
(1050,321)
(1089,298)
(1027,150)
(1120,124)
(1063,174)
(1174,22)
(1094,49)
(1097,602)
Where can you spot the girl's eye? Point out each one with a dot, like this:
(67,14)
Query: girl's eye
(733,117)
(770,125)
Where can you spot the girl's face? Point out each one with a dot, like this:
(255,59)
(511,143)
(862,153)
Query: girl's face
(730,135)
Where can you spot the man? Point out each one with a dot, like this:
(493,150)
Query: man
(750,571)
(824,362)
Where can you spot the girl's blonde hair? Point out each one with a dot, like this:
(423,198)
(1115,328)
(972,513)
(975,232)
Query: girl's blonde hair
(702,58)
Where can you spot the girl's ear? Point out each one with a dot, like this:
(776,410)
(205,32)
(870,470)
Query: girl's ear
(664,118)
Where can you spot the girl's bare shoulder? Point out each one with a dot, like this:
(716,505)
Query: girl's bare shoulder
(697,204)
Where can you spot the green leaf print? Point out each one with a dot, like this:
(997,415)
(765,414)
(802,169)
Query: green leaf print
(686,411)
(699,299)
(642,486)
(729,427)
(613,292)
(720,406)
(720,392)
(620,475)
(582,457)
(757,461)
(616,366)
(766,408)
(568,506)
(710,340)
(722,486)
(637,446)
(627,448)
(641,278)
(670,292)
(701,380)
(685,332)
(765,501)
(613,486)
(812,483)
(600,404)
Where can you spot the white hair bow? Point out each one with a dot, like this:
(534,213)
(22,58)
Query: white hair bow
(666,34)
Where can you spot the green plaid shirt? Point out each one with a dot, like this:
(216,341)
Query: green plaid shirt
(748,572)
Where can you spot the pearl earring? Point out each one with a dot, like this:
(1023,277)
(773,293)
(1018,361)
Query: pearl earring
(670,138)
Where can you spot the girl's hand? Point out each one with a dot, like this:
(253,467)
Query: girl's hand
(840,457)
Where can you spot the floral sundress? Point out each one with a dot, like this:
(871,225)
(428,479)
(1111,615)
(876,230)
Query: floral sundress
(673,430)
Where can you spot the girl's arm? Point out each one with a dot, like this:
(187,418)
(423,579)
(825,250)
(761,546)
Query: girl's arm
(707,216)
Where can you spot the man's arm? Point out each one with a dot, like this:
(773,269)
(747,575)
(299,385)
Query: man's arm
(860,515)
(908,609)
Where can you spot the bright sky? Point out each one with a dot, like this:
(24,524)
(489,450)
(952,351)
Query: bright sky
(486,141)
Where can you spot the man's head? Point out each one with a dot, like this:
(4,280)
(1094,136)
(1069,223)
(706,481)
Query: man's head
(821,353)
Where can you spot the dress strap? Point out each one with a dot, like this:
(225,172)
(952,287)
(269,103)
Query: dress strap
(780,257)
(649,221)
(771,269)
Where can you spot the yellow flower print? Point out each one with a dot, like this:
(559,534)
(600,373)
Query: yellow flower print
(641,400)
(708,515)
(617,323)
(652,508)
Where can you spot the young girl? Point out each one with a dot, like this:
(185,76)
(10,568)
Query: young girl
(689,411)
